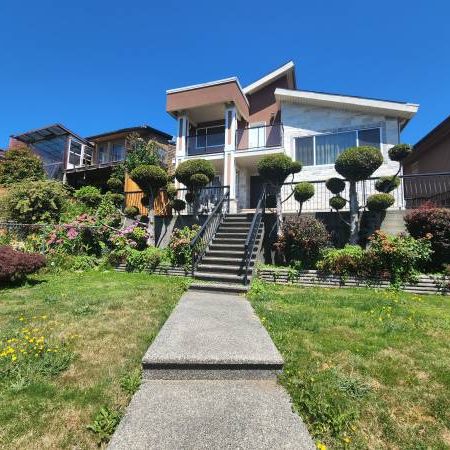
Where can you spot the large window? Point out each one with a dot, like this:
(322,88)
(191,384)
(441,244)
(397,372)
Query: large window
(210,137)
(325,148)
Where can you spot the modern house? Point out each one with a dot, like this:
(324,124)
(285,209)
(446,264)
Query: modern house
(66,155)
(235,126)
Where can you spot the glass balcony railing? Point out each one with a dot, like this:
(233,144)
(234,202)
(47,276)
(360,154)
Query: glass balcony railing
(205,143)
(264,136)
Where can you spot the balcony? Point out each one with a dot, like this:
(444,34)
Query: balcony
(205,143)
(259,137)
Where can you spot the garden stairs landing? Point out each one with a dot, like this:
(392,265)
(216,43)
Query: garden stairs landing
(222,267)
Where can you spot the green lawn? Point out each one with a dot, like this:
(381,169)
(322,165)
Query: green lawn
(365,368)
(70,345)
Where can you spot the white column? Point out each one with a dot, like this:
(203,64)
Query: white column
(229,160)
(82,154)
(181,142)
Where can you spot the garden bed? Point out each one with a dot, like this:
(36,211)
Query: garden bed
(162,270)
(426,284)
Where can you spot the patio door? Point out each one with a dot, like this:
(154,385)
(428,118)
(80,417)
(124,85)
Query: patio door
(256,186)
(256,135)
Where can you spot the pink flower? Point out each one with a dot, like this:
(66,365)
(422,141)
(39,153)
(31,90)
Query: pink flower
(72,234)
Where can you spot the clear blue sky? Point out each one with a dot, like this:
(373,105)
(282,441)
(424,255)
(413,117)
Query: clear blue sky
(100,65)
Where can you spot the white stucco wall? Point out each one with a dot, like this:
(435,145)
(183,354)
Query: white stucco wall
(301,120)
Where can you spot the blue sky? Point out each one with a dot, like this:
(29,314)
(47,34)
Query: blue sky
(100,65)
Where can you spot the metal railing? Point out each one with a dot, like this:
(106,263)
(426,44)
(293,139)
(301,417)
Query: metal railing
(264,136)
(253,232)
(208,198)
(413,191)
(205,143)
(206,233)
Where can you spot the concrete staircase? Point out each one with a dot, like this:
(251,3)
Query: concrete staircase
(222,267)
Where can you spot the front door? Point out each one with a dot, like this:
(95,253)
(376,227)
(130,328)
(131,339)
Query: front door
(256,186)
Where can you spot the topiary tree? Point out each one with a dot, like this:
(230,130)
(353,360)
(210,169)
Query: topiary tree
(150,179)
(195,174)
(354,164)
(142,152)
(178,205)
(89,195)
(20,164)
(303,191)
(274,169)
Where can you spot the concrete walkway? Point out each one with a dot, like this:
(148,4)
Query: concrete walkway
(209,382)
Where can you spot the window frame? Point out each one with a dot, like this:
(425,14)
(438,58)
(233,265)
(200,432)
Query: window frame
(354,130)
(206,136)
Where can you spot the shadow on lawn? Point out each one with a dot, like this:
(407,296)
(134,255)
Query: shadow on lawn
(27,282)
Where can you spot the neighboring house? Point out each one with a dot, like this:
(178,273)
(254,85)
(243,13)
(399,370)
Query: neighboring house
(80,161)
(235,126)
(427,169)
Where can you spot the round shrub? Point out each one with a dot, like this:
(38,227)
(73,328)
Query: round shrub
(116,198)
(131,211)
(380,202)
(199,180)
(431,222)
(143,261)
(337,202)
(177,204)
(387,184)
(20,164)
(303,191)
(35,201)
(15,265)
(358,163)
(343,262)
(171,191)
(89,195)
(191,168)
(276,168)
(189,197)
(399,152)
(302,239)
(115,184)
(335,185)
(149,178)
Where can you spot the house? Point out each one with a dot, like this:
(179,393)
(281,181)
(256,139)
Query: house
(79,161)
(427,169)
(235,126)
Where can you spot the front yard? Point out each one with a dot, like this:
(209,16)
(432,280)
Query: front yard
(365,368)
(70,345)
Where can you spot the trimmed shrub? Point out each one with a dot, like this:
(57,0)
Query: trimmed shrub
(20,164)
(131,211)
(189,197)
(89,195)
(302,239)
(276,168)
(434,223)
(380,202)
(335,185)
(343,262)
(337,202)
(171,191)
(35,201)
(115,184)
(177,204)
(303,191)
(358,163)
(387,184)
(187,173)
(149,178)
(15,265)
(143,261)
(399,152)
(141,152)
(116,198)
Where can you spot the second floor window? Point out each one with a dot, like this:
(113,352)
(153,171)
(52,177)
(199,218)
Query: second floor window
(210,136)
(323,149)
(117,151)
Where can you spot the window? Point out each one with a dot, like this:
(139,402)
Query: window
(117,151)
(103,153)
(210,137)
(323,149)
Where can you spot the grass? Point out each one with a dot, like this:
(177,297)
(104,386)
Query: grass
(73,347)
(365,368)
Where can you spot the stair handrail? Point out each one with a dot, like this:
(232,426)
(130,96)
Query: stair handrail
(253,231)
(202,239)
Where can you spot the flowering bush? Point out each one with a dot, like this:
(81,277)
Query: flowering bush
(433,221)
(302,239)
(15,266)
(398,258)
(132,236)
(179,249)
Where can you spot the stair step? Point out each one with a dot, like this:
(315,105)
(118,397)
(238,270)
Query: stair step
(227,253)
(237,269)
(218,260)
(235,241)
(234,226)
(222,287)
(225,245)
(227,278)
